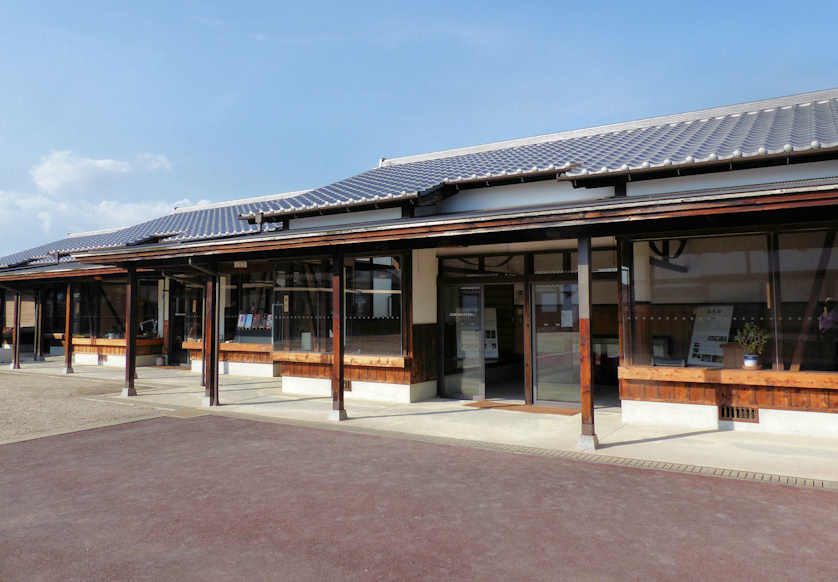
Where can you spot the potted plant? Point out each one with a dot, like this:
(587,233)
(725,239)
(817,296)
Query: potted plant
(752,339)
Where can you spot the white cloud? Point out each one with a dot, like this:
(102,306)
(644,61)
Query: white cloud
(63,169)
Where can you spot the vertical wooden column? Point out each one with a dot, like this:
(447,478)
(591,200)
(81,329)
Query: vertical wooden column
(587,438)
(528,335)
(16,333)
(68,329)
(38,340)
(211,343)
(625,300)
(204,326)
(775,302)
(338,410)
(130,333)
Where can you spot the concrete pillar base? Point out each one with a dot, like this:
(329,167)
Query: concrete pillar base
(13,367)
(68,371)
(587,442)
(128,392)
(205,401)
(338,415)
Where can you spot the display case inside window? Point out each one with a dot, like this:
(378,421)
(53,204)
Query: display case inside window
(692,296)
(248,308)
(302,306)
(373,305)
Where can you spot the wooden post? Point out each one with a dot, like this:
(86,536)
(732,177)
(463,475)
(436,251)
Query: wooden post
(775,301)
(625,300)
(211,343)
(68,329)
(130,333)
(528,335)
(38,340)
(16,333)
(204,349)
(338,410)
(587,439)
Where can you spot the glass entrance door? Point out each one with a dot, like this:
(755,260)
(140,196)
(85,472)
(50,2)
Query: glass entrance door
(556,341)
(463,341)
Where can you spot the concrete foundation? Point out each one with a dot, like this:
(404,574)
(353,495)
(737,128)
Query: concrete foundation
(706,417)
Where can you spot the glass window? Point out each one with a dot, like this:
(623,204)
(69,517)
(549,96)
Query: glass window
(193,313)
(693,295)
(808,315)
(490,265)
(248,315)
(302,306)
(147,313)
(373,305)
(566,262)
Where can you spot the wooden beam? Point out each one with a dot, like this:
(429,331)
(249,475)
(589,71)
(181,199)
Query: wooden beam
(528,335)
(814,294)
(338,270)
(587,438)
(16,333)
(68,329)
(204,326)
(130,333)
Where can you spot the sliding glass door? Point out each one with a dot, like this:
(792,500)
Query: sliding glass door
(556,341)
(463,341)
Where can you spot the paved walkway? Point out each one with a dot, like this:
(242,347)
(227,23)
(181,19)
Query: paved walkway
(219,498)
(790,459)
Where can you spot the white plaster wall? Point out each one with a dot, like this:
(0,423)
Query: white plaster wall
(197,366)
(521,195)
(424,286)
(345,218)
(5,356)
(734,178)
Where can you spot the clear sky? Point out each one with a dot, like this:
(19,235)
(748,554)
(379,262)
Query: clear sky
(114,112)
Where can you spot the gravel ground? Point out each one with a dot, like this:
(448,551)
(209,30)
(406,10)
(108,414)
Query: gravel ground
(35,406)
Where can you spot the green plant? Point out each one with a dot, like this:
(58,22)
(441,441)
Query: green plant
(752,339)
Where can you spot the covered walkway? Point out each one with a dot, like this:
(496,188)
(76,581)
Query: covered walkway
(756,456)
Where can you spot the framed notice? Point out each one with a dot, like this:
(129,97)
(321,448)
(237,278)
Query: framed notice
(711,329)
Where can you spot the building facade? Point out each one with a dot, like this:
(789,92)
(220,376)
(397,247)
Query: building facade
(614,265)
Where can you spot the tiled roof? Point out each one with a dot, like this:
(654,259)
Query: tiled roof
(798,123)
(197,222)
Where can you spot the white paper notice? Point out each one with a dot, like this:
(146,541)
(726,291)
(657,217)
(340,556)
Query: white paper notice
(567,318)
(711,329)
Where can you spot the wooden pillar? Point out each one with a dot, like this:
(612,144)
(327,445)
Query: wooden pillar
(16,333)
(338,410)
(204,326)
(68,329)
(130,333)
(587,438)
(38,341)
(211,343)
(528,335)
(625,300)
(775,302)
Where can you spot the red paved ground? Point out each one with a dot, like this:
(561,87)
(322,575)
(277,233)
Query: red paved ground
(215,498)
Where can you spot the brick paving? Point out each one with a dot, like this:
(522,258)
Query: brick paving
(219,498)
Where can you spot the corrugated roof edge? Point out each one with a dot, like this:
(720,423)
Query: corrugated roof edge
(750,106)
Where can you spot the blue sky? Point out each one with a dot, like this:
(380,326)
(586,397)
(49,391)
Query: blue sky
(111,113)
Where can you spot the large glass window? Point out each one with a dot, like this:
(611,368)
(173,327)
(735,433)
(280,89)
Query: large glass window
(248,299)
(302,306)
(693,295)
(373,305)
(99,309)
(808,314)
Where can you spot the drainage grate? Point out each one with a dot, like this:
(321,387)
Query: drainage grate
(739,413)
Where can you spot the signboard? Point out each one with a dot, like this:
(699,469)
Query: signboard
(711,329)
